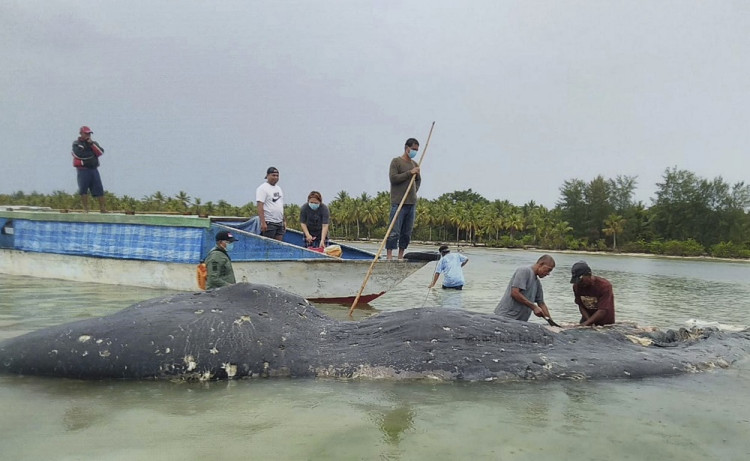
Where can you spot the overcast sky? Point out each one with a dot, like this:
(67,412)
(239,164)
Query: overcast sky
(204,96)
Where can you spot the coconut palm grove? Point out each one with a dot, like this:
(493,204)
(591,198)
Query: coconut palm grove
(689,216)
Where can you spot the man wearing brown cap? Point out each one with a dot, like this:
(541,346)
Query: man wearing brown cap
(218,264)
(593,295)
(86,153)
(270,200)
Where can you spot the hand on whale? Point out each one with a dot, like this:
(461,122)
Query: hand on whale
(250,330)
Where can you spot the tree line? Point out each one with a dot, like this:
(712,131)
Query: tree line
(690,216)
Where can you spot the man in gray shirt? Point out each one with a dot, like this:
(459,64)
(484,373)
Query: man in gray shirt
(400,174)
(524,294)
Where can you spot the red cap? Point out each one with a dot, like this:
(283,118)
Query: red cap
(85,129)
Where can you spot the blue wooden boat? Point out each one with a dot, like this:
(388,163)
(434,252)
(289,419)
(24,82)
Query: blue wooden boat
(162,251)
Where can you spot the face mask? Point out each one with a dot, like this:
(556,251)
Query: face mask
(230,245)
(313,206)
(412,153)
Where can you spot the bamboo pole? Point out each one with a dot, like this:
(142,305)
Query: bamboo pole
(390,227)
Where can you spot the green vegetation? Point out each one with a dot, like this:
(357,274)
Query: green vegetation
(690,216)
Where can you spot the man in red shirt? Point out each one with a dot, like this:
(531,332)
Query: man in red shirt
(593,295)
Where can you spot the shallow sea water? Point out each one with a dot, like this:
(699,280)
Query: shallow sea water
(696,416)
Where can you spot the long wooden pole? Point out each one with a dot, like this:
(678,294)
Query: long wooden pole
(390,227)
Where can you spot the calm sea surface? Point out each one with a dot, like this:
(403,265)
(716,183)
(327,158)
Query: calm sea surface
(692,417)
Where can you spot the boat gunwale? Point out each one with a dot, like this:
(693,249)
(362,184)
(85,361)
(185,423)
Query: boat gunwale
(108,218)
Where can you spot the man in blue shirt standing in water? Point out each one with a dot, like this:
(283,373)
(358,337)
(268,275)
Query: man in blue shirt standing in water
(450,266)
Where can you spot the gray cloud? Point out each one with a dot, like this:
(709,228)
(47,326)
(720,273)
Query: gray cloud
(203,97)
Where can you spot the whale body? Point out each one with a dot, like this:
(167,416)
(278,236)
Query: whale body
(250,330)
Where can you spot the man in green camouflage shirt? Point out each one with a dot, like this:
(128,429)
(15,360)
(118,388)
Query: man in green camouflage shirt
(218,263)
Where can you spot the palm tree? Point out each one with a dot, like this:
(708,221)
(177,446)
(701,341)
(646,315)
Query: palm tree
(359,211)
(159,200)
(196,208)
(474,216)
(249,209)
(342,209)
(62,200)
(223,208)
(291,214)
(183,200)
(458,218)
(559,232)
(442,210)
(423,217)
(491,220)
(129,203)
(355,211)
(369,214)
(542,223)
(382,206)
(342,196)
(515,222)
(210,208)
(615,225)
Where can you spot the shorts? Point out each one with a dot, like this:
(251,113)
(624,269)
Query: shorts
(273,229)
(89,179)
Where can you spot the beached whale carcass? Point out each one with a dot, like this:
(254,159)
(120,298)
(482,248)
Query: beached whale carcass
(249,330)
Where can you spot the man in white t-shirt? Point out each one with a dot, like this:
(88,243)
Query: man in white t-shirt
(270,201)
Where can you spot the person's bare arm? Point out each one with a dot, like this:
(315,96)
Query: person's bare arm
(323,236)
(262,217)
(306,232)
(516,294)
(434,279)
(545,310)
(593,318)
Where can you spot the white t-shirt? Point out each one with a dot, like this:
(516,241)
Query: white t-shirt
(273,202)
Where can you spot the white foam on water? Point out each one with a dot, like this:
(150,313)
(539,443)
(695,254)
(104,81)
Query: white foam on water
(698,323)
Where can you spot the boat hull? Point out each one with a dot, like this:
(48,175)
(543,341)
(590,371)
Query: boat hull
(326,280)
(162,251)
